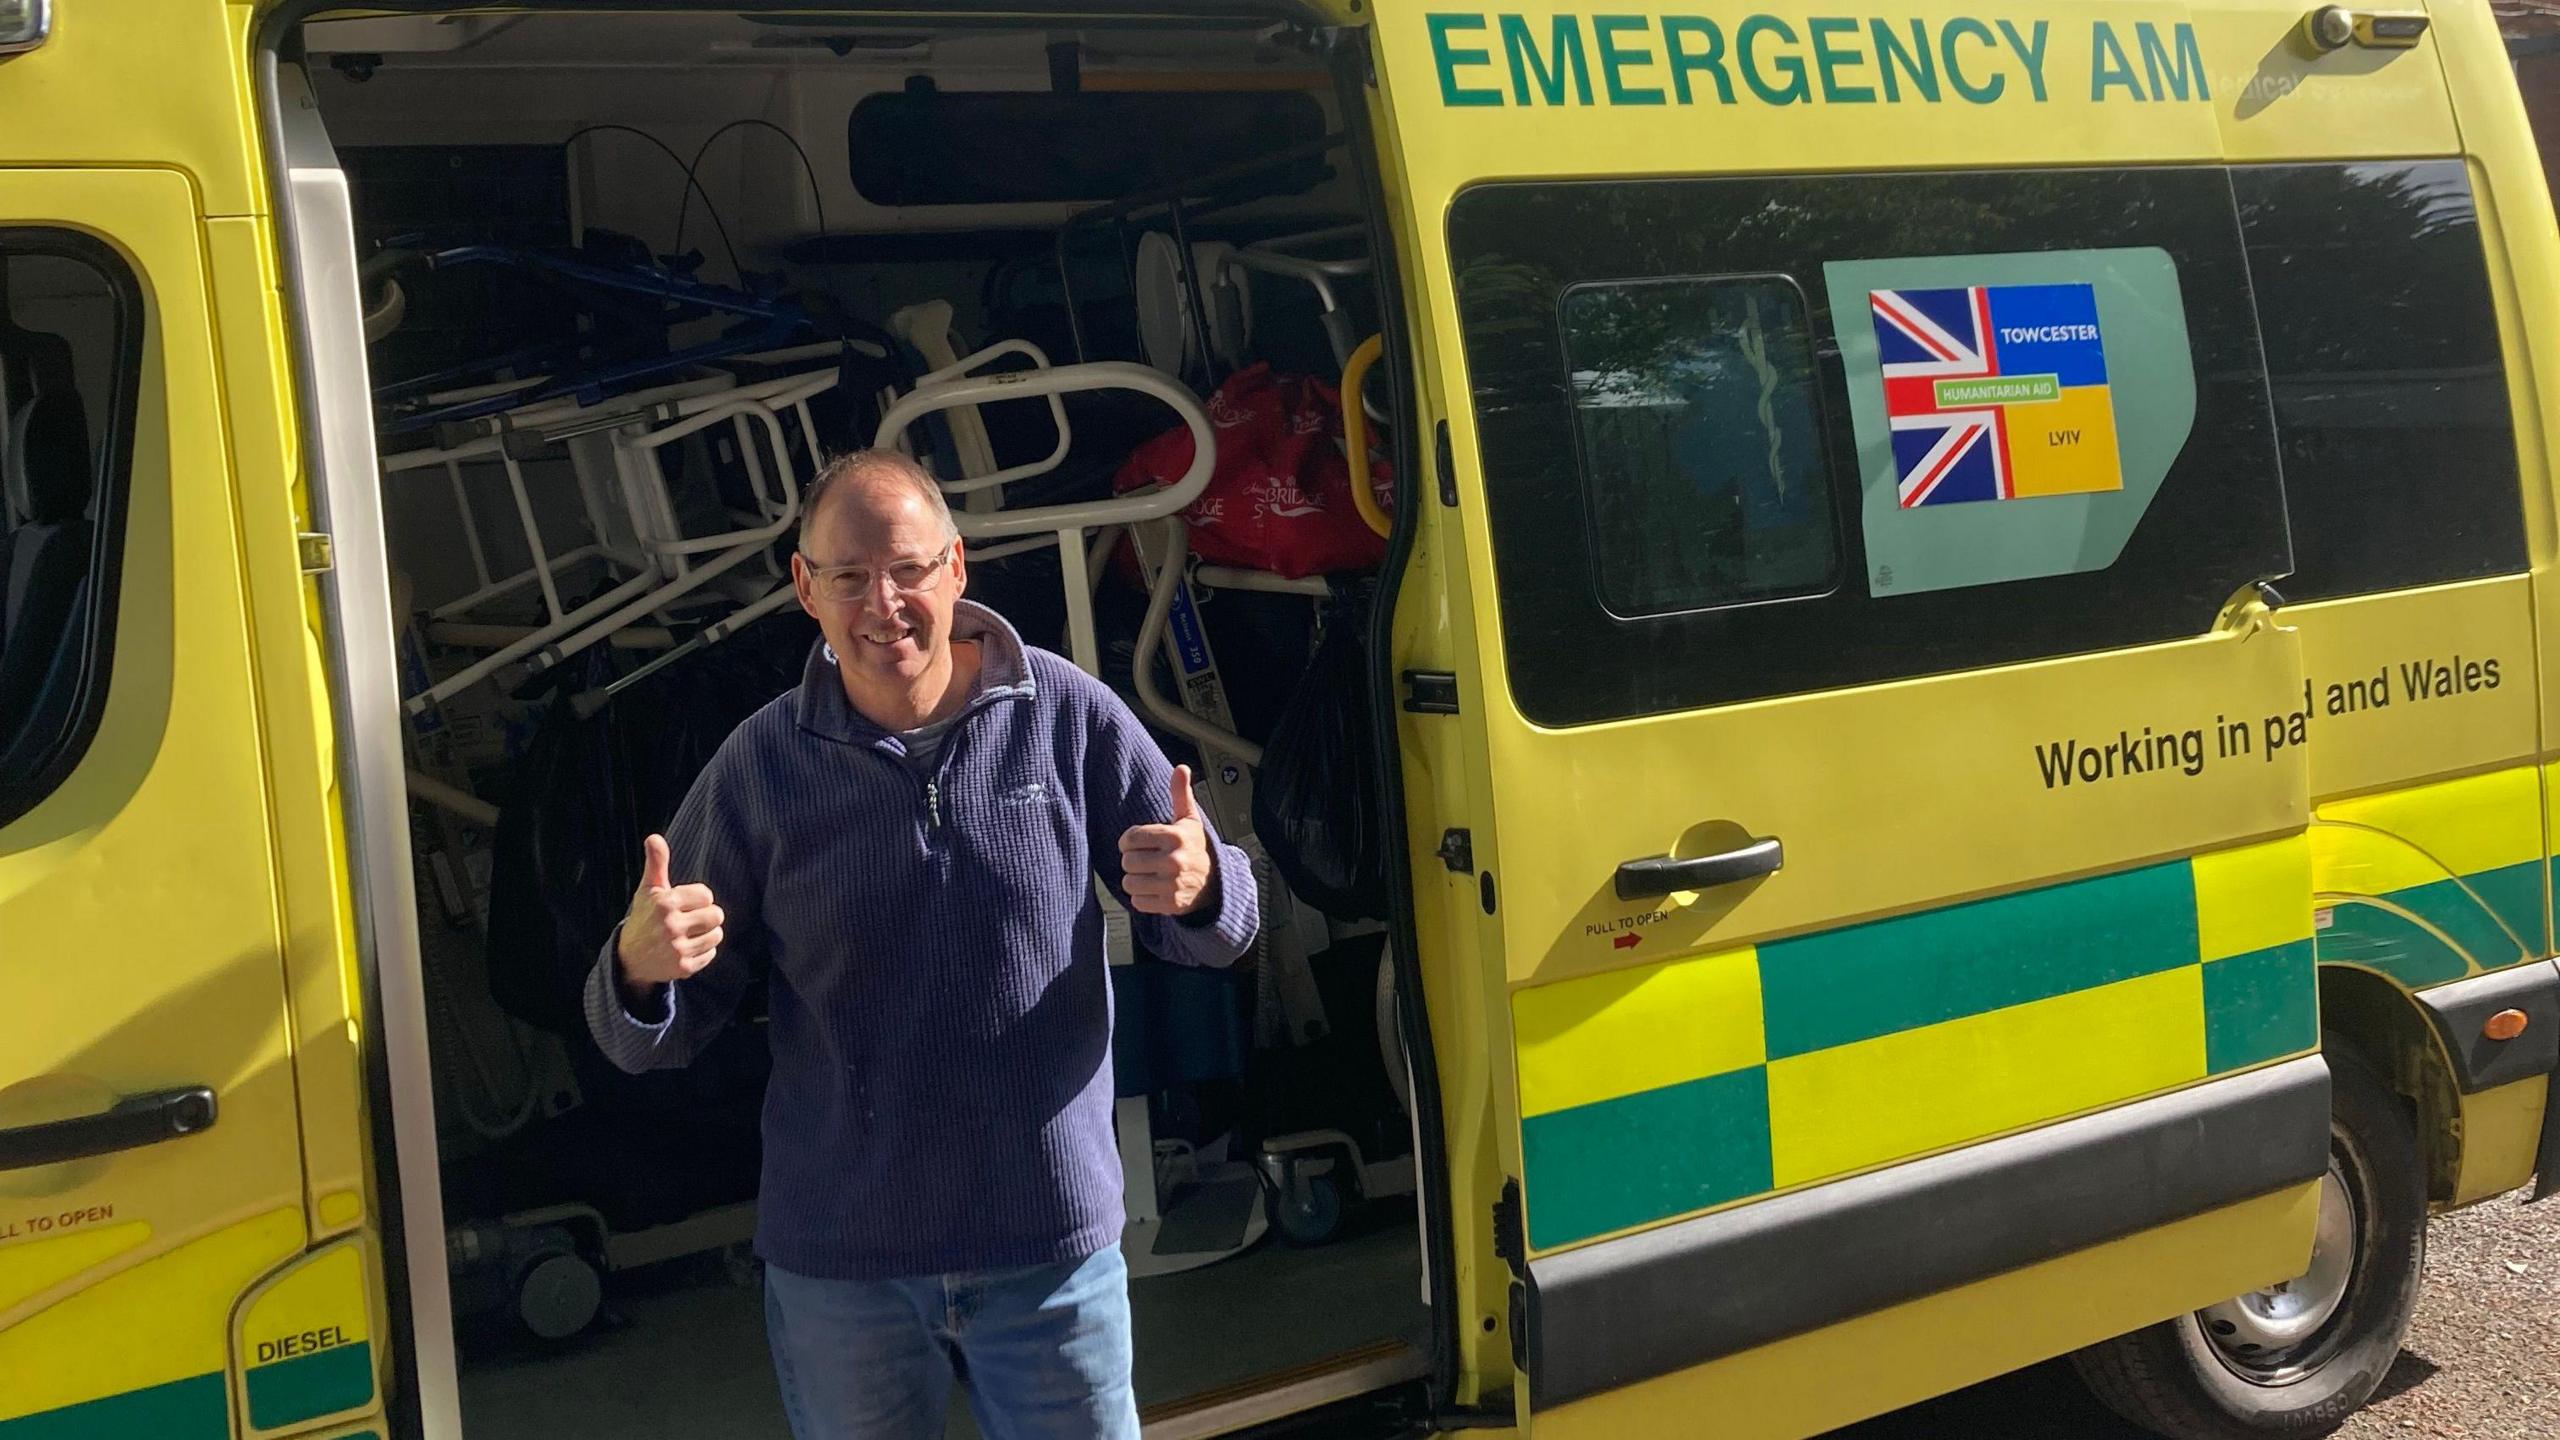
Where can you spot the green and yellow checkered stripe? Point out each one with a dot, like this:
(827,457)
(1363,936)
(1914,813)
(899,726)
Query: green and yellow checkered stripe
(1664,1089)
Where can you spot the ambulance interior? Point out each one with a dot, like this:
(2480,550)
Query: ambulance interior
(627,278)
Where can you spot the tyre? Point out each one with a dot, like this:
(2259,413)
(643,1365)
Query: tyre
(2296,1359)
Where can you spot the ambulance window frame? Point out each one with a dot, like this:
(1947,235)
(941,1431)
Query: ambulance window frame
(2216,526)
(48,762)
(2345,544)
(1815,397)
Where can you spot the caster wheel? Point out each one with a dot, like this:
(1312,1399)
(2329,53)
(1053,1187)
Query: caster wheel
(1308,1209)
(739,1265)
(559,1296)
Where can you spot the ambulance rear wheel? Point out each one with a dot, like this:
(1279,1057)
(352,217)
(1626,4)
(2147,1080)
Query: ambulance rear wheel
(2296,1359)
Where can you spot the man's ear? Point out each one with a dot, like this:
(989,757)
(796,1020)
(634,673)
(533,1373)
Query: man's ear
(803,585)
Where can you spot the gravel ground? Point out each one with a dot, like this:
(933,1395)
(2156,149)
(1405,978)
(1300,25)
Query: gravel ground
(2482,1361)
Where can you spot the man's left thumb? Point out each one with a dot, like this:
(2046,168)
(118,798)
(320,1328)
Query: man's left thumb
(1186,806)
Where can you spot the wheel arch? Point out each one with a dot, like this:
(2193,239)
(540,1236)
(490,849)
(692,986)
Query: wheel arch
(2382,1023)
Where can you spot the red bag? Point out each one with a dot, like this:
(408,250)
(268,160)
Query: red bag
(1280,498)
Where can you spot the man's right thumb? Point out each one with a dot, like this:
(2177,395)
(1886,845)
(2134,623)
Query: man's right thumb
(653,875)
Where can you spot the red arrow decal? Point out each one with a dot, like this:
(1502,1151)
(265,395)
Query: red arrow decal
(1627,942)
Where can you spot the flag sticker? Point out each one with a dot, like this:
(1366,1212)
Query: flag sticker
(1996,392)
(2064,378)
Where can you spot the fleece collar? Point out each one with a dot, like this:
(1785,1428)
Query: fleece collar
(822,708)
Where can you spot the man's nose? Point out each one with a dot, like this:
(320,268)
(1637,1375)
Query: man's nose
(881,596)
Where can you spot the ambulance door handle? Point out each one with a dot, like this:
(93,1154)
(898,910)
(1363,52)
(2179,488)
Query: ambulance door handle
(129,1124)
(1660,875)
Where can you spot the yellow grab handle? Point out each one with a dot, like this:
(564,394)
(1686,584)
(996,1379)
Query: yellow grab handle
(1355,433)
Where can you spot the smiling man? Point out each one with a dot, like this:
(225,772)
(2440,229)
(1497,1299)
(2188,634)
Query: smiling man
(908,842)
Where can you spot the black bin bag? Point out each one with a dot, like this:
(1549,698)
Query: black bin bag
(590,788)
(556,877)
(1318,801)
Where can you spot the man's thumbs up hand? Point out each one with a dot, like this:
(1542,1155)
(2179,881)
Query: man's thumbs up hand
(653,869)
(1166,868)
(671,931)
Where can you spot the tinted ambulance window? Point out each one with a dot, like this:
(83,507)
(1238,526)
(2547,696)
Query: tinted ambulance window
(1694,406)
(70,345)
(2390,391)
(2039,400)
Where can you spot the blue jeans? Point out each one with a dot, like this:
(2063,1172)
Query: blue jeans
(1045,1349)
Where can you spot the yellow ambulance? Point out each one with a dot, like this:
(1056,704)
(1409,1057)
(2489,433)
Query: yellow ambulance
(1953,703)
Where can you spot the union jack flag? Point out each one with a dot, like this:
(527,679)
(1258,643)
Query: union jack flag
(1940,455)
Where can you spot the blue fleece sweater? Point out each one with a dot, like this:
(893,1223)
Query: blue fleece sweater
(940,1008)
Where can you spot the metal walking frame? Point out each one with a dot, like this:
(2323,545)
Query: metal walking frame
(1276,256)
(1289,1008)
(637,531)
(576,397)
(1146,1166)
(1063,526)
(510,440)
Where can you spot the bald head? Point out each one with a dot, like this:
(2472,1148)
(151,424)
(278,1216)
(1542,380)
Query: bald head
(872,475)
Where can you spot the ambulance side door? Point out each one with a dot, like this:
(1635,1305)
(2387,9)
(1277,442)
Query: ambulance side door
(150,1168)
(1888,787)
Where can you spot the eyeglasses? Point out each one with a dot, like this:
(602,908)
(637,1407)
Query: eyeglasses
(844,584)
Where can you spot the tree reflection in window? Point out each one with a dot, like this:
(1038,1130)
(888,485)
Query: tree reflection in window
(1696,416)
